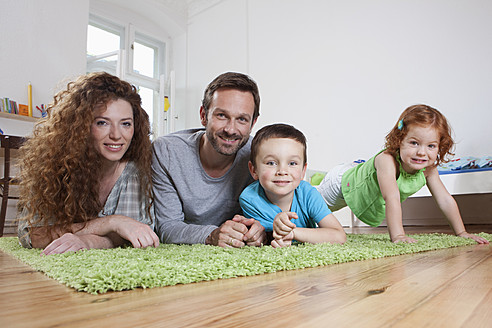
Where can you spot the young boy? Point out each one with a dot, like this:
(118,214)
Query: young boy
(278,163)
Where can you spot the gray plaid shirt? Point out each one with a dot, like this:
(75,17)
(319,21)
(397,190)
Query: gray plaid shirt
(124,199)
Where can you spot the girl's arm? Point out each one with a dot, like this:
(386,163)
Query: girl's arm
(386,173)
(447,205)
(329,231)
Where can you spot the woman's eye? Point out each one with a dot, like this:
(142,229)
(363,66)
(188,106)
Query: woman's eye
(101,123)
(127,124)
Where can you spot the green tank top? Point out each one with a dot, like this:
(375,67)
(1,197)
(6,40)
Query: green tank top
(360,189)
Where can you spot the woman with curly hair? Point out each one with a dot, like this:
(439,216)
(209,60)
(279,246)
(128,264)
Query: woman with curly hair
(85,178)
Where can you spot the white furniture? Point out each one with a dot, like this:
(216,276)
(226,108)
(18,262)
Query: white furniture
(465,182)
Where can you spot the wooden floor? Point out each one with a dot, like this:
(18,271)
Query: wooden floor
(446,288)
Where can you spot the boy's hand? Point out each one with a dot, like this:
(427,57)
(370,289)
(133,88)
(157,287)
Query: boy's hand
(476,238)
(403,239)
(282,226)
(284,242)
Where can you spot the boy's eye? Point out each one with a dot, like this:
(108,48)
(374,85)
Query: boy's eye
(270,163)
(293,163)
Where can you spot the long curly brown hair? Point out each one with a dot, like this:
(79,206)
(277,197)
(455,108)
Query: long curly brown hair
(422,115)
(59,165)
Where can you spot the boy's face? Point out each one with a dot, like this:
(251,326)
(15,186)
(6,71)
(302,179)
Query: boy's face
(279,166)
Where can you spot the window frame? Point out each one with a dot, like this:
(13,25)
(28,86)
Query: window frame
(129,34)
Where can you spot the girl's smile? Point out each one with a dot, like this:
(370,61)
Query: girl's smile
(419,148)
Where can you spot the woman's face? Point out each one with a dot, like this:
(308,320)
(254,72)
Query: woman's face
(112,129)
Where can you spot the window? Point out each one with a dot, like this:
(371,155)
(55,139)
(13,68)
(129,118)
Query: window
(134,57)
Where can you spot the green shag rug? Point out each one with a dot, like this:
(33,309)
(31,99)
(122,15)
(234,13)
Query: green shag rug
(98,271)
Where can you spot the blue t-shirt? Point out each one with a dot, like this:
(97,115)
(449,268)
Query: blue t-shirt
(307,203)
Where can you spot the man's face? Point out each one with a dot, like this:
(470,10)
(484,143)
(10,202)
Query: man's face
(229,120)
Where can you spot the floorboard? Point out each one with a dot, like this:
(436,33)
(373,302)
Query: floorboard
(450,287)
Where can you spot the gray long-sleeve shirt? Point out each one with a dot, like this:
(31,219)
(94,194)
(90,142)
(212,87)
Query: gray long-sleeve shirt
(189,204)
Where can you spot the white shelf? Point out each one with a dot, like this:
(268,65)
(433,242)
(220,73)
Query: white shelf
(18,117)
(462,183)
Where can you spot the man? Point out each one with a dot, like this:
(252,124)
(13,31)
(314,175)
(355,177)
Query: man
(198,174)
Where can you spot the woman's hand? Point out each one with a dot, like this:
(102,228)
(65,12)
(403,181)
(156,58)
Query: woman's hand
(66,243)
(139,234)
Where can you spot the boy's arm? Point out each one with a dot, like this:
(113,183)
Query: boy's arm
(386,174)
(329,231)
(448,206)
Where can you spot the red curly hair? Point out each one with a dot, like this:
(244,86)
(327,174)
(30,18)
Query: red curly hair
(426,116)
(59,165)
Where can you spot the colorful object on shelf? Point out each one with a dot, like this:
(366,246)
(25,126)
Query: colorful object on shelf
(166,103)
(29,96)
(23,110)
(42,110)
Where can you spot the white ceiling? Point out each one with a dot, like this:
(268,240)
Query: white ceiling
(188,8)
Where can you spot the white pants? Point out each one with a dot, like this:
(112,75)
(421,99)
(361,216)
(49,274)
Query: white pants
(331,186)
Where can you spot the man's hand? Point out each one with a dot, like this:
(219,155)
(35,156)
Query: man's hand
(238,232)
(256,235)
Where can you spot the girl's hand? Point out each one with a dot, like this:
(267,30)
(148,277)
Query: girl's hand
(403,239)
(476,238)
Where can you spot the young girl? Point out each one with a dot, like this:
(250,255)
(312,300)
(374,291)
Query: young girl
(374,190)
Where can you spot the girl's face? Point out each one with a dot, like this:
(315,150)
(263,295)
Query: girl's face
(112,129)
(419,148)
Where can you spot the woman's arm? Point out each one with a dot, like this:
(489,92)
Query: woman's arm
(448,206)
(329,231)
(386,173)
(106,232)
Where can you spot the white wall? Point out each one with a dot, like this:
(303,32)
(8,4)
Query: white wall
(342,71)
(217,42)
(42,41)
